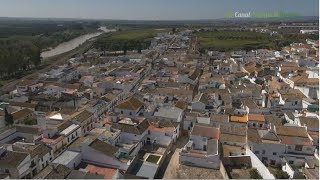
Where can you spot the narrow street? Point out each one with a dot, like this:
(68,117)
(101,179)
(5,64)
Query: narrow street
(172,157)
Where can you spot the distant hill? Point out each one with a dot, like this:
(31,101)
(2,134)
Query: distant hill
(276,19)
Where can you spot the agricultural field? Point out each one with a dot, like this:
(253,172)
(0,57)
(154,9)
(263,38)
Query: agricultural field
(246,40)
(141,34)
(124,40)
(233,40)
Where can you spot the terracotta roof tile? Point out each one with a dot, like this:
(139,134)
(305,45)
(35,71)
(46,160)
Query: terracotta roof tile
(108,173)
(130,104)
(205,131)
(256,117)
(240,119)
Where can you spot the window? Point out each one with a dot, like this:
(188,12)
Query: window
(148,131)
(264,159)
(256,152)
(274,153)
(290,162)
(121,112)
(204,139)
(263,151)
(298,148)
(254,124)
(309,149)
(260,125)
(130,113)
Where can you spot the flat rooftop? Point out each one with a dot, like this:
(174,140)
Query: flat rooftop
(66,157)
(70,129)
(145,169)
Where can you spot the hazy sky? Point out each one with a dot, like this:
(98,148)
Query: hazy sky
(150,9)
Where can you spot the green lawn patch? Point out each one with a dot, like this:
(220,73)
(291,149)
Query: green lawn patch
(153,158)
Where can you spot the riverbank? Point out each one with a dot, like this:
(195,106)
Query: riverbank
(74,43)
(46,66)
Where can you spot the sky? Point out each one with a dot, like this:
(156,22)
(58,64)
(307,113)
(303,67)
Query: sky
(150,9)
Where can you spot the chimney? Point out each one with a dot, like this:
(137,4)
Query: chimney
(2,150)
(273,128)
(158,124)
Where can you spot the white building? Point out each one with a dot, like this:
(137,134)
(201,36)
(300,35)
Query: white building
(130,107)
(69,159)
(202,148)
(266,146)
(169,113)
(163,132)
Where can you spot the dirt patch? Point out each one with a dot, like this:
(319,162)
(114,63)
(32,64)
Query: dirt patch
(177,171)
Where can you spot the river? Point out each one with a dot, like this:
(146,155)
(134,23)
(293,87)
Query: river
(72,44)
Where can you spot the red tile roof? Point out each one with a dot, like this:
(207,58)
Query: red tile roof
(52,140)
(295,140)
(108,173)
(256,117)
(205,131)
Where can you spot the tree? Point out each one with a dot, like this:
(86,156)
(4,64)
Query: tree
(139,48)
(8,117)
(279,174)
(30,121)
(254,174)
(36,57)
(174,30)
(125,48)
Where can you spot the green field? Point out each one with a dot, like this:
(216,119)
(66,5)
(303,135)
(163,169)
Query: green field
(141,34)
(136,39)
(233,40)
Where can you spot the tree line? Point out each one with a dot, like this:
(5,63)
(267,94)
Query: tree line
(17,56)
(21,42)
(121,45)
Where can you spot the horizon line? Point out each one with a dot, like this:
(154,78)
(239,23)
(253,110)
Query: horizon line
(222,18)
